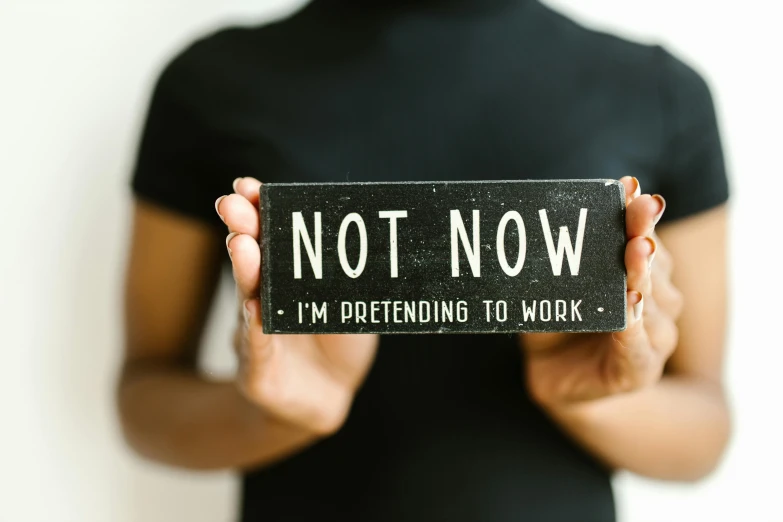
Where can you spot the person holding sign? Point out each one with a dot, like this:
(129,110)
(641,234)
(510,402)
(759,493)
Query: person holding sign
(455,427)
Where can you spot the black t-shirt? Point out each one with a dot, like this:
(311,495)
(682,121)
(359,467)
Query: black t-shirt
(442,428)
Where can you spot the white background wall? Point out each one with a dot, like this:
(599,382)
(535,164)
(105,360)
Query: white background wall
(74,82)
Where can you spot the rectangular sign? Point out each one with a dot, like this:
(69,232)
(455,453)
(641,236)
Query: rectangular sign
(443,257)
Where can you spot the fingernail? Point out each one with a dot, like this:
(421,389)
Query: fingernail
(651,256)
(638,190)
(660,212)
(234,184)
(217,209)
(229,237)
(638,308)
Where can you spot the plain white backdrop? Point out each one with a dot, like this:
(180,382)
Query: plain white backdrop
(75,78)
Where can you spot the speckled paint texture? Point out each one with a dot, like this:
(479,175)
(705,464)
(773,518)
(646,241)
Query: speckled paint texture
(426,296)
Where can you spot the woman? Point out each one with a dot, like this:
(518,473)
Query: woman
(427,427)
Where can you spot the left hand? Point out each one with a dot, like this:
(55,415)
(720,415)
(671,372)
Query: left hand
(566,369)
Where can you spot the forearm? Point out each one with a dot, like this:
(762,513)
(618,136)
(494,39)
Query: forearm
(178,418)
(676,430)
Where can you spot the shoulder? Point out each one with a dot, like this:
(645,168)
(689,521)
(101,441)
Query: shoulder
(191,79)
(200,59)
(186,153)
(202,66)
(596,46)
(622,59)
(216,65)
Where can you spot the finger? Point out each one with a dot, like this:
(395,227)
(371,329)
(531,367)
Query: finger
(664,263)
(260,345)
(248,188)
(632,188)
(642,215)
(238,214)
(245,257)
(668,298)
(255,350)
(661,329)
(632,353)
(639,252)
(666,295)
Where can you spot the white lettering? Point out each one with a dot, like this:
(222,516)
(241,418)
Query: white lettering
(564,244)
(529,312)
(346,314)
(301,235)
(397,310)
(462,311)
(511,215)
(575,310)
(501,311)
(548,311)
(410,311)
(353,217)
(489,312)
(472,253)
(393,215)
(319,313)
(560,315)
(447,309)
(421,311)
(361,315)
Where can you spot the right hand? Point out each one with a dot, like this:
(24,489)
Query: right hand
(306,380)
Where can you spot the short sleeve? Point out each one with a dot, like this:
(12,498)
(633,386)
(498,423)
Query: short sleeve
(692,168)
(176,166)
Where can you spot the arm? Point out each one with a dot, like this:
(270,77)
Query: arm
(678,428)
(176,417)
(289,391)
(169,412)
(649,398)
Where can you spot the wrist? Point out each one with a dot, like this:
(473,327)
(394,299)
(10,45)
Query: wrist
(315,420)
(576,416)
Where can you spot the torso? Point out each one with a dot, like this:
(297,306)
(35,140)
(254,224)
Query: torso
(443,428)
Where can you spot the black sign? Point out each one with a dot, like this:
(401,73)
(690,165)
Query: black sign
(499,256)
